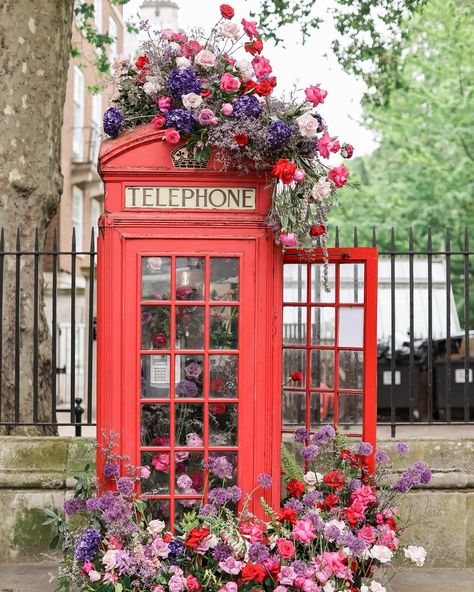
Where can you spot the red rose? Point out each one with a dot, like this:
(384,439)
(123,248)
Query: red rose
(206,93)
(217,408)
(217,386)
(295,488)
(284,170)
(227,11)
(141,62)
(159,339)
(287,514)
(346,454)
(297,376)
(334,479)
(195,536)
(264,88)
(158,121)
(392,524)
(286,549)
(253,571)
(272,80)
(167,537)
(254,47)
(241,139)
(330,501)
(317,230)
(248,86)
(347,150)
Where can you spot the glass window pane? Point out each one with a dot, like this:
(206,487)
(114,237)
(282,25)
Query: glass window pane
(223,327)
(182,507)
(322,368)
(156,277)
(351,327)
(159,510)
(322,408)
(318,291)
(224,278)
(190,278)
(189,376)
(323,324)
(155,377)
(351,368)
(294,282)
(155,327)
(350,409)
(222,465)
(294,325)
(189,473)
(155,425)
(222,424)
(352,282)
(223,376)
(293,409)
(189,327)
(189,423)
(294,360)
(158,483)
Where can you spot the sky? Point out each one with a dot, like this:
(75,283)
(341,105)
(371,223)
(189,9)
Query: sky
(294,65)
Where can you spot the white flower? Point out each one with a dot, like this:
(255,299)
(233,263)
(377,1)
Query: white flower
(321,189)
(155,527)
(339,524)
(110,559)
(364,588)
(245,69)
(415,554)
(174,47)
(231,30)
(94,576)
(311,478)
(377,587)
(191,100)
(308,125)
(205,58)
(213,540)
(151,86)
(329,587)
(382,553)
(182,62)
(120,61)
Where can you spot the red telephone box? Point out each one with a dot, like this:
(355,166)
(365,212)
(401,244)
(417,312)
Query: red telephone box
(190,323)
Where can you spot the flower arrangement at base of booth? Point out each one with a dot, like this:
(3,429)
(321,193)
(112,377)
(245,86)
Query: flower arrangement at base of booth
(336,529)
(199,90)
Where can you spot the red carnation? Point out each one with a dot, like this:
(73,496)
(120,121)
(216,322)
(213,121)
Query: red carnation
(347,150)
(195,536)
(227,11)
(330,501)
(141,62)
(297,376)
(158,121)
(217,408)
(284,170)
(287,514)
(206,93)
(346,454)
(334,479)
(264,88)
(253,571)
(248,86)
(254,47)
(295,488)
(391,523)
(317,230)
(159,339)
(241,139)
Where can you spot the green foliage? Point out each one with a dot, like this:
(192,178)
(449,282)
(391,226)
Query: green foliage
(289,465)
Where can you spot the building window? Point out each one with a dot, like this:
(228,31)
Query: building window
(95,127)
(78,129)
(96,211)
(78,215)
(113,34)
(98,15)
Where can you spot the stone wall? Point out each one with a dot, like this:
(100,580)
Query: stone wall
(38,472)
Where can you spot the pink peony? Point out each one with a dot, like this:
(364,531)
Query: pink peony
(231,566)
(110,578)
(229,83)
(261,66)
(299,176)
(303,531)
(250,28)
(164,103)
(181,456)
(193,440)
(161,462)
(365,495)
(205,58)
(207,117)
(415,554)
(315,95)
(230,30)
(227,109)
(288,239)
(327,145)
(287,575)
(172,135)
(168,34)
(86,568)
(338,175)
(335,563)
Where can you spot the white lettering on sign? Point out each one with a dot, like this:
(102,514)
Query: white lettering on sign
(460,375)
(193,198)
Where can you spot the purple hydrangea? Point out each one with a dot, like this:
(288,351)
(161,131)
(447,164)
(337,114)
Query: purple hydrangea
(382,457)
(113,122)
(332,532)
(125,485)
(181,120)
(299,566)
(234,494)
(364,449)
(111,469)
(294,504)
(321,123)
(265,480)
(402,448)
(247,106)
(87,545)
(301,434)
(186,388)
(93,504)
(355,484)
(309,452)
(316,520)
(217,496)
(278,133)
(258,552)
(208,510)
(324,435)
(356,544)
(74,505)
(183,81)
(221,552)
(124,562)
(311,498)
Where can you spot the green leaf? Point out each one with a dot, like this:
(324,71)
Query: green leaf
(54,542)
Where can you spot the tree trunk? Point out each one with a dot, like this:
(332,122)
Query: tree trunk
(35,40)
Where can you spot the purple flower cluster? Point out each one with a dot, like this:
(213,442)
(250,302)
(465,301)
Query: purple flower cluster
(220,467)
(208,510)
(321,123)
(186,388)
(278,133)
(301,435)
(417,474)
(221,552)
(312,497)
(299,566)
(309,452)
(356,544)
(180,119)
(258,552)
(325,435)
(113,122)
(74,505)
(402,448)
(111,469)
(265,480)
(218,496)
(125,485)
(183,81)
(294,504)
(234,494)
(364,449)
(87,545)
(247,106)
(382,457)
(316,520)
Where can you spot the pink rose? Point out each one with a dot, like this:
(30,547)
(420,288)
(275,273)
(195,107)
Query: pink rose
(158,588)
(288,239)
(86,568)
(250,28)
(327,145)
(164,103)
(207,117)
(145,472)
(303,531)
(367,533)
(335,563)
(205,58)
(227,109)
(193,440)
(230,30)
(321,189)
(285,548)
(161,462)
(168,34)
(94,576)
(308,125)
(192,584)
(229,83)
(338,175)
(299,176)
(315,95)
(261,66)
(172,135)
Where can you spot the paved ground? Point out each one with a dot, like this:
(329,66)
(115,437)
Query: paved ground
(37,578)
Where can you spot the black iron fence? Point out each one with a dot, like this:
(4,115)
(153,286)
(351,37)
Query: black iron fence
(426,331)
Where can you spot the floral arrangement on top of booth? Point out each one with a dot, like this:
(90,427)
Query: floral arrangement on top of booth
(334,529)
(195,90)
